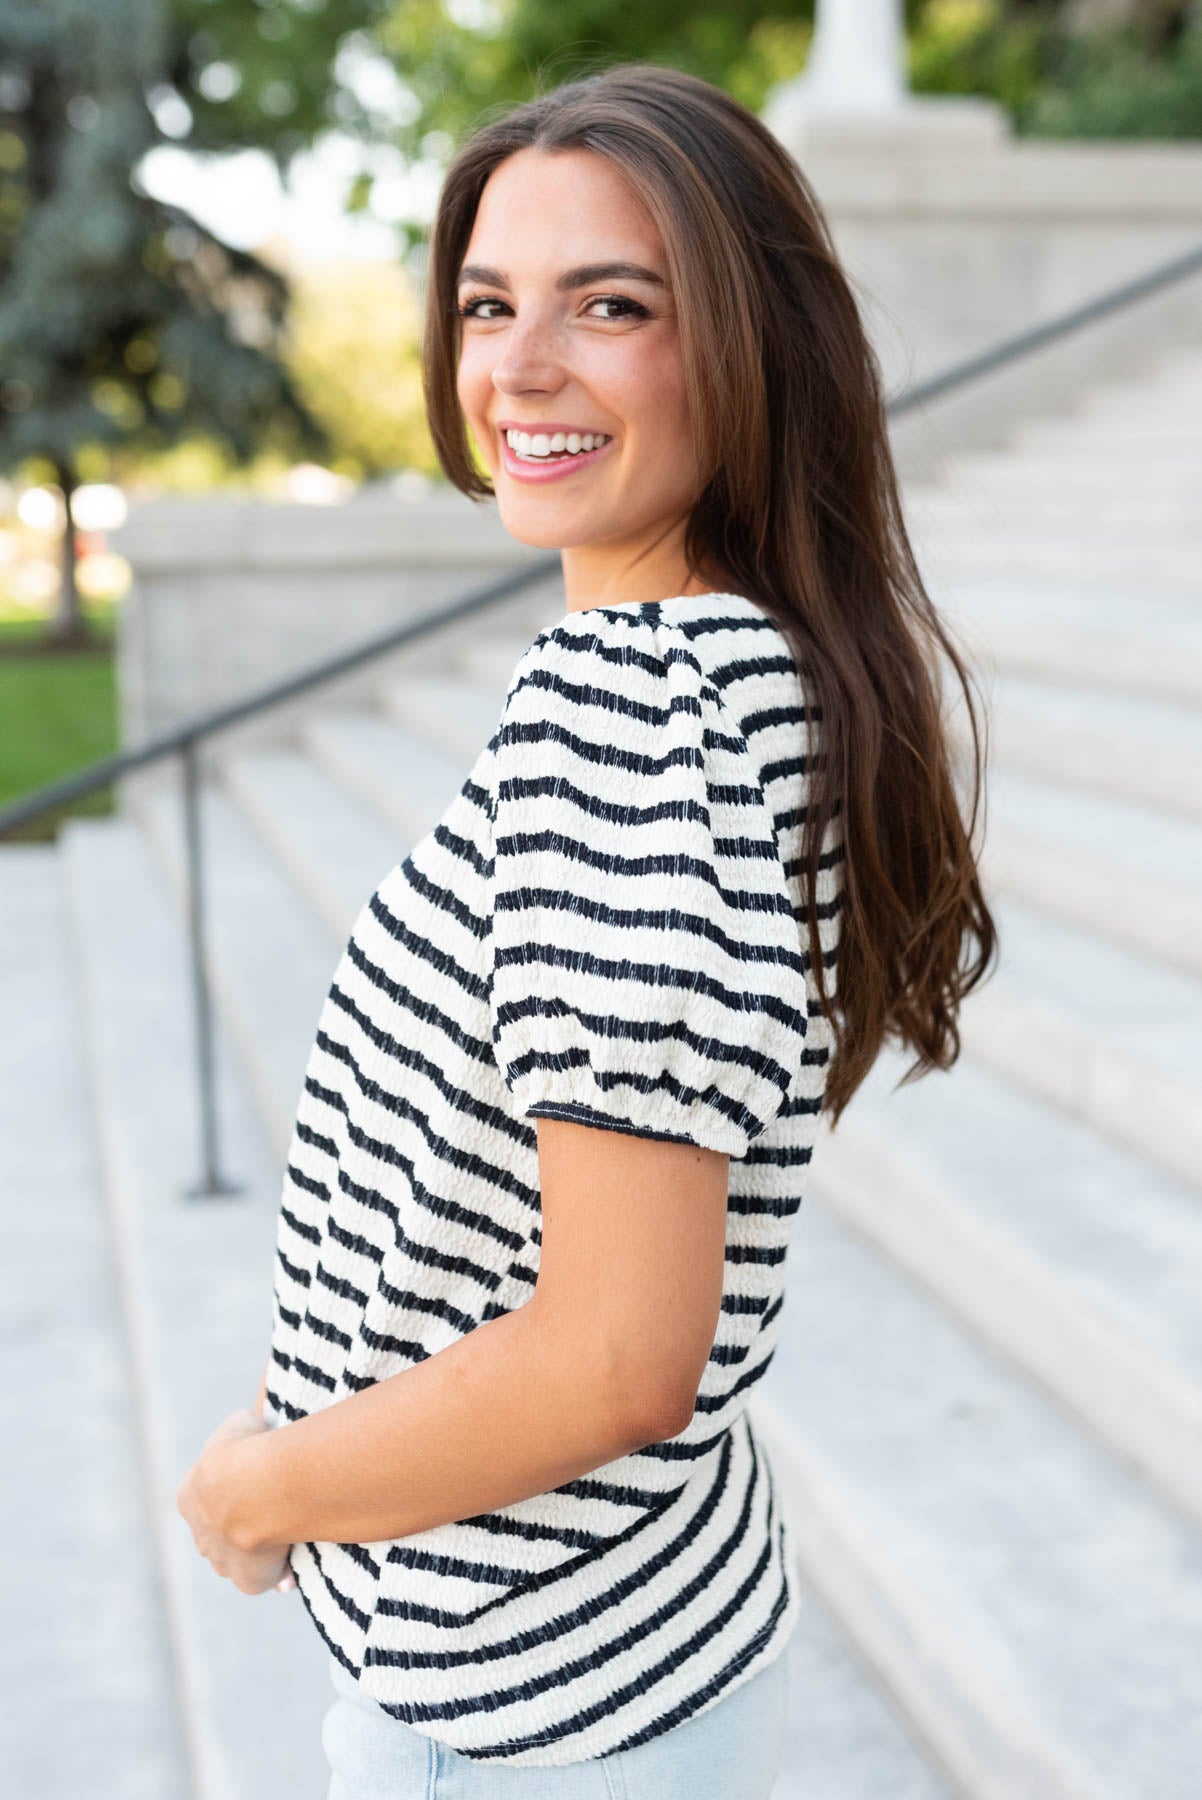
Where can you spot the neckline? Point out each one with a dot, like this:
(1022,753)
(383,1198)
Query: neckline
(581,612)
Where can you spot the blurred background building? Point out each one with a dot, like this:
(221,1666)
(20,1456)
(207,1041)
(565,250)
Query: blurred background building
(215,473)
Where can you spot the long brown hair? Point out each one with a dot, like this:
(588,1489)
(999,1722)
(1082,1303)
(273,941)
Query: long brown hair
(801,507)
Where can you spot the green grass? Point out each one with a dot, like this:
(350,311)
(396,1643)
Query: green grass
(58,712)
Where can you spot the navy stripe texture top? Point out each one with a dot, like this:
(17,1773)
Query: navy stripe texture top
(606,925)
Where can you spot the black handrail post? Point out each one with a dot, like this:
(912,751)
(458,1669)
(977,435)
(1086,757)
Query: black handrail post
(212,1184)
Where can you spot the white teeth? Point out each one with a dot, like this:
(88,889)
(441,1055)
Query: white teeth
(541,444)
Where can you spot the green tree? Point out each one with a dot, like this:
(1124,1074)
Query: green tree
(123,321)
(1069,68)
(1139,78)
(269,73)
(464,59)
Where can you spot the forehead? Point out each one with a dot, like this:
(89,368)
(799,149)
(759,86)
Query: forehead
(559,207)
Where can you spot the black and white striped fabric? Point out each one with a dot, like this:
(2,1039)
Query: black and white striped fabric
(606,925)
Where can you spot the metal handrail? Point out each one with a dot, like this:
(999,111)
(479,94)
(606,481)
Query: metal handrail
(203,725)
(182,739)
(1010,349)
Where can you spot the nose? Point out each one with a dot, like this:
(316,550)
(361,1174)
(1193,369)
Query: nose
(529,361)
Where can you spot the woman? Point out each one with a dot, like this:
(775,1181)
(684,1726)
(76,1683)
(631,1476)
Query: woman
(570,1071)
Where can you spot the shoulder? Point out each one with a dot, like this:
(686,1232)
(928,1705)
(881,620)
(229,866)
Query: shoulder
(647,966)
(601,646)
(622,675)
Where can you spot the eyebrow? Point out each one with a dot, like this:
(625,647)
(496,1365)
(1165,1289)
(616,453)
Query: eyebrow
(581,276)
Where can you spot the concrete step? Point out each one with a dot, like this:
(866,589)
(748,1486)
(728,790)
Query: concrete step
(1024,1223)
(333,848)
(955,508)
(846,1737)
(1046,1020)
(1145,402)
(984,1742)
(456,714)
(406,779)
(195,1275)
(84,1610)
(1130,746)
(1170,567)
(1177,435)
(1110,865)
(1034,1608)
(1061,475)
(1176,364)
(490,666)
(1097,636)
(269,951)
(523,615)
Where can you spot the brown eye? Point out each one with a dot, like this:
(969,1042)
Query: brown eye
(633,309)
(467,309)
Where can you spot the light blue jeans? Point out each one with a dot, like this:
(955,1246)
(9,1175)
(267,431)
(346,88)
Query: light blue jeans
(732,1752)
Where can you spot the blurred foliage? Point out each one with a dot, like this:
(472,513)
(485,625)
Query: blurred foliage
(983,47)
(120,316)
(1122,84)
(273,73)
(466,60)
(1140,76)
(352,350)
(123,321)
(354,353)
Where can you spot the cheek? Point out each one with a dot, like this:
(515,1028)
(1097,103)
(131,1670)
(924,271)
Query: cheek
(647,392)
(473,380)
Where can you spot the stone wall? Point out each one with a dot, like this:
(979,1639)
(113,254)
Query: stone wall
(957,235)
(230,595)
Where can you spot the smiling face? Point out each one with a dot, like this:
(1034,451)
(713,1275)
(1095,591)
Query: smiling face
(569,329)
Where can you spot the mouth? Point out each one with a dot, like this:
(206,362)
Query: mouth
(553,467)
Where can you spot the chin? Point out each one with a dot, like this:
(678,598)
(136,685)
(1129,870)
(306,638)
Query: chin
(545,536)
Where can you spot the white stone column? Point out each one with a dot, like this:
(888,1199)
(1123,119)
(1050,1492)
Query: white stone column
(853,90)
(857,60)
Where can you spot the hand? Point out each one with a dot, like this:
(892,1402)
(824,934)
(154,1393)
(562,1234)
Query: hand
(199,1500)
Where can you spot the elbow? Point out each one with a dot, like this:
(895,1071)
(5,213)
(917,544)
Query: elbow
(662,1411)
(626,1407)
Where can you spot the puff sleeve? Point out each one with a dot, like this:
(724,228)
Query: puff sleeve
(648,971)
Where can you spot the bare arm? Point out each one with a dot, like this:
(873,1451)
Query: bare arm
(261,1396)
(605,1357)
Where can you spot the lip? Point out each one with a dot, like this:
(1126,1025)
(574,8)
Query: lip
(550,426)
(524,471)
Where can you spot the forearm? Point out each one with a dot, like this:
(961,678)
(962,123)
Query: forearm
(510,1410)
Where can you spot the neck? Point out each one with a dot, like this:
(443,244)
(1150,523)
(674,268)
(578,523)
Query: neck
(605,575)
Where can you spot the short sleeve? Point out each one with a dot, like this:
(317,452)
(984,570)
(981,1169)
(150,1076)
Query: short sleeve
(648,972)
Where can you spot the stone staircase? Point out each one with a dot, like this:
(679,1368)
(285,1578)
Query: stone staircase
(986,1411)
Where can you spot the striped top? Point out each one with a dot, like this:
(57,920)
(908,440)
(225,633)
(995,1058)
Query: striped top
(605,925)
